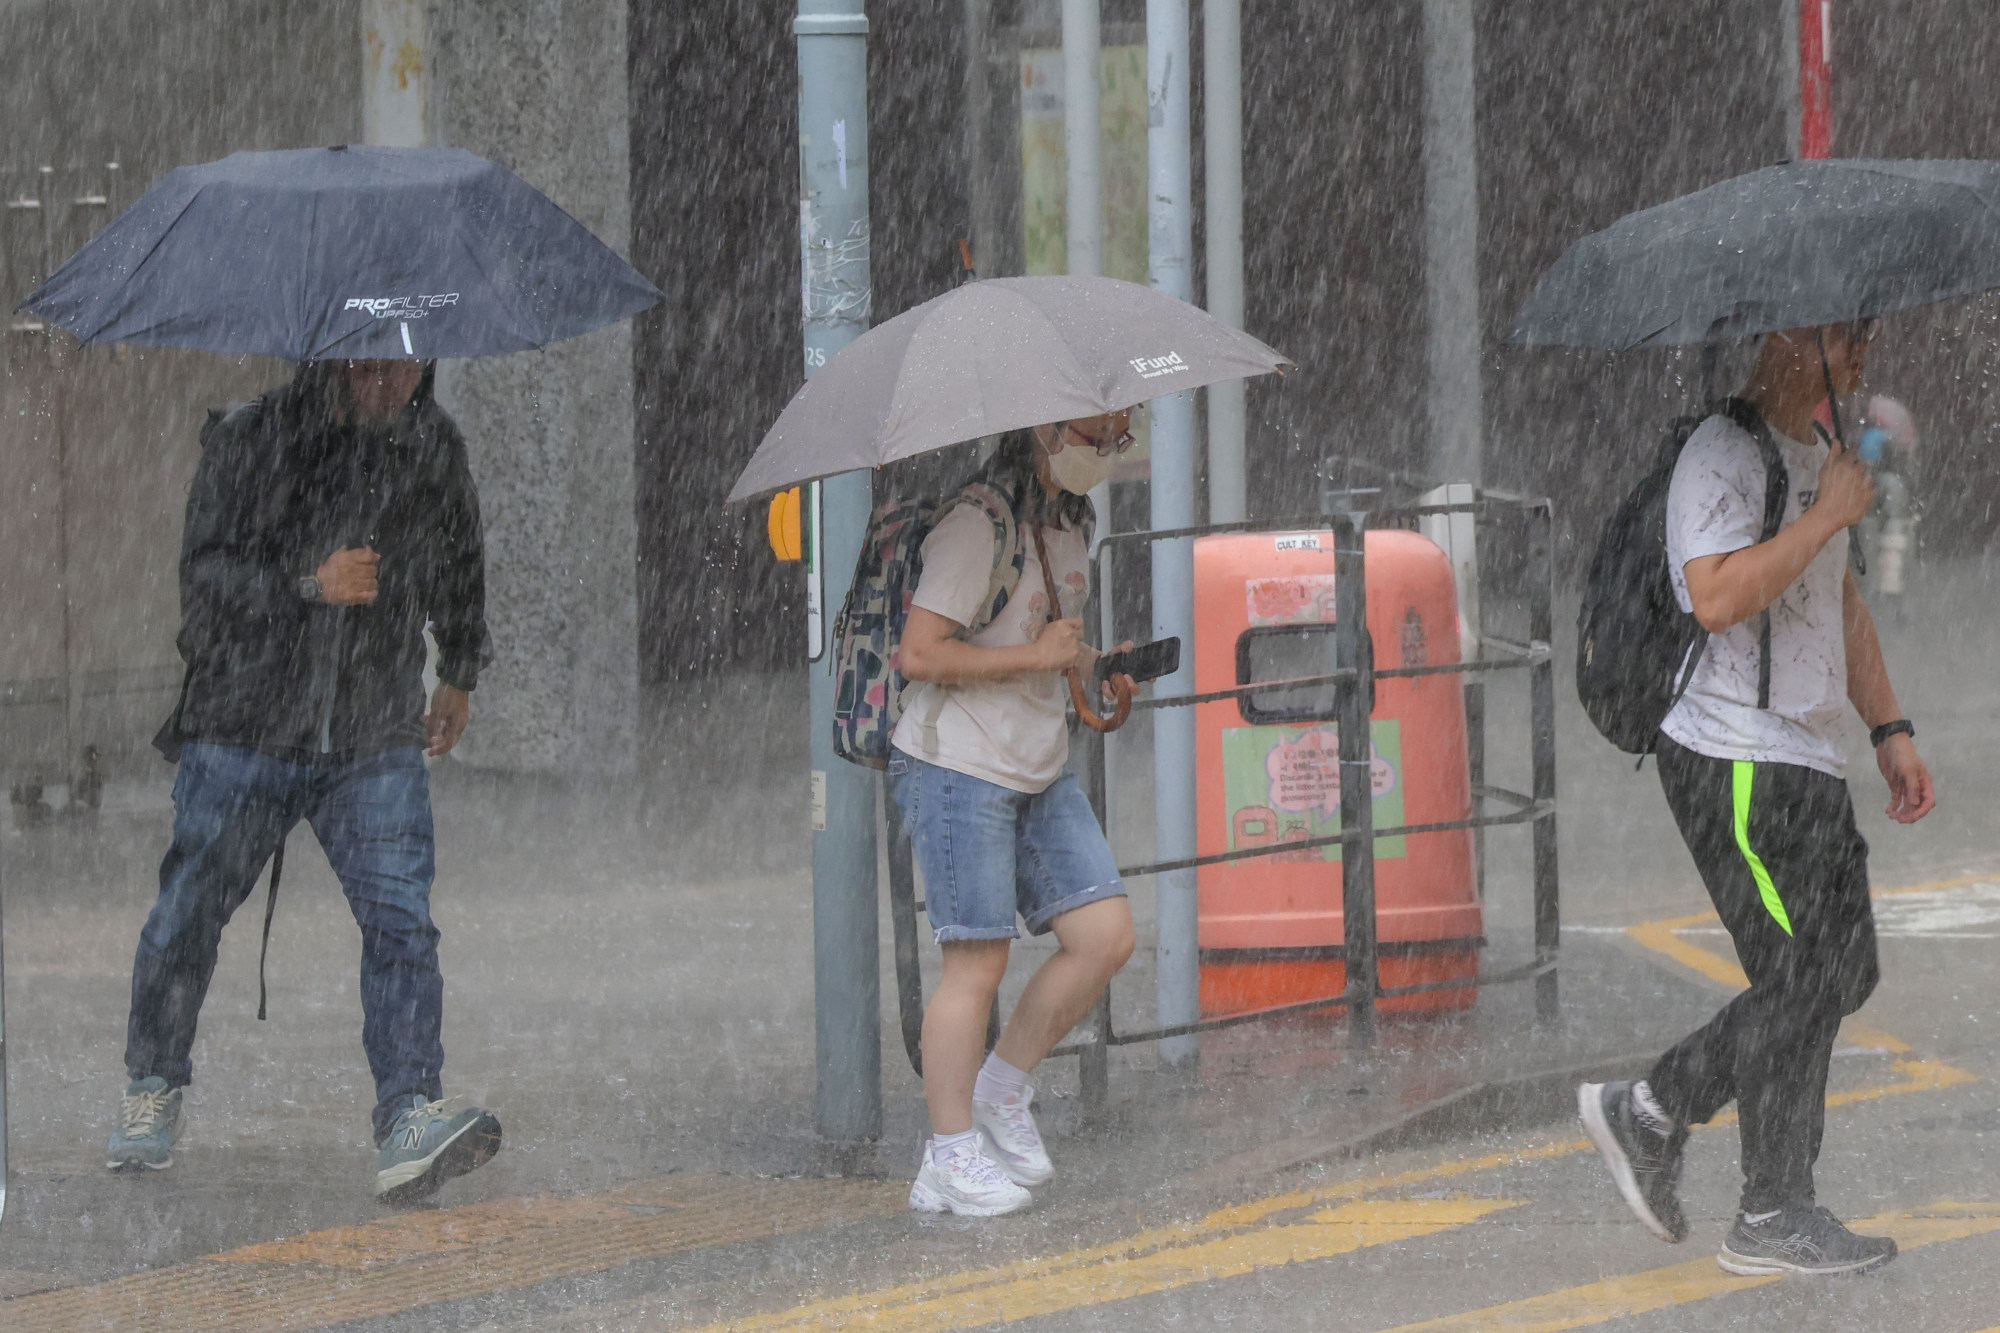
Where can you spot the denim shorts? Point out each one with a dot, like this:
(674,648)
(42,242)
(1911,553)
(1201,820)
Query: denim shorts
(988,852)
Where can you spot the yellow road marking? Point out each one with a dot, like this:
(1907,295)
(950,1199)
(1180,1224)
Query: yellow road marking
(1247,1214)
(1663,938)
(1695,1280)
(1022,1291)
(1162,1258)
(1915,1076)
(1659,936)
(403,1262)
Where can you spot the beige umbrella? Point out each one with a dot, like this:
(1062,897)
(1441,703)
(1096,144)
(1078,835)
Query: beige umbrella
(995,356)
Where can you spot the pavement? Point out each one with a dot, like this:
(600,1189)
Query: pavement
(629,988)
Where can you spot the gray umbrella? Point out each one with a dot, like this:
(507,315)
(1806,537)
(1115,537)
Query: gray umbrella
(1797,245)
(994,356)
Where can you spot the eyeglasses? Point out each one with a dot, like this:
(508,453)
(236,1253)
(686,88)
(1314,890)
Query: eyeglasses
(1105,448)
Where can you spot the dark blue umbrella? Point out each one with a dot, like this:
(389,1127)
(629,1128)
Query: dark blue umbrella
(316,253)
(1795,245)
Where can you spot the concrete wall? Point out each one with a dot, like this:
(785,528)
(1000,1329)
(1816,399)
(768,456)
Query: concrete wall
(537,84)
(96,446)
(540,85)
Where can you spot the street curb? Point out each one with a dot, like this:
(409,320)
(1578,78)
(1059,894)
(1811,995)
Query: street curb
(1522,1102)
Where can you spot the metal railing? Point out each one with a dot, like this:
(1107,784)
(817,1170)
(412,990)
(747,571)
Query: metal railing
(1353,680)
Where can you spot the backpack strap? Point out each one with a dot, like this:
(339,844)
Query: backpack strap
(1777,484)
(1009,557)
(270,911)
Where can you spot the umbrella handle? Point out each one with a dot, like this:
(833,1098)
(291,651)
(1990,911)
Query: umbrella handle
(1122,687)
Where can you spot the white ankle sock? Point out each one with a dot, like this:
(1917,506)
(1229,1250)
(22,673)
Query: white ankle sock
(1752,1219)
(998,1081)
(944,1143)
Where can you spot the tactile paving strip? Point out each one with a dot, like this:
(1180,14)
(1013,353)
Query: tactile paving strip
(415,1259)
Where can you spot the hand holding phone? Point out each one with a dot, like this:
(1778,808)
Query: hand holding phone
(1149,661)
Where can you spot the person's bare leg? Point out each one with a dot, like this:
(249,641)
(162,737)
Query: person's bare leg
(1096,940)
(955,1029)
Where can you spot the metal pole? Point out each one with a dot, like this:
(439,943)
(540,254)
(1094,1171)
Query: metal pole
(1788,62)
(1222,130)
(1083,150)
(903,919)
(1083,164)
(1542,729)
(1093,1061)
(1451,240)
(1170,243)
(1357,762)
(833,236)
(5,1168)
(59,429)
(1815,38)
(1475,770)
(982,224)
(395,73)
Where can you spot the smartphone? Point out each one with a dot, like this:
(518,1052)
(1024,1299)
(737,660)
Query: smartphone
(1149,661)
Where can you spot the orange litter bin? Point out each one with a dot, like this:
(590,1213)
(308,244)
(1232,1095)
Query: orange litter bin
(1268,772)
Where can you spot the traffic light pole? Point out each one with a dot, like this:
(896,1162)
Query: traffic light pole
(835,289)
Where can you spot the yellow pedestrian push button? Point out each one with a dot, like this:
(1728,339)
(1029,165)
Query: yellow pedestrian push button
(787,539)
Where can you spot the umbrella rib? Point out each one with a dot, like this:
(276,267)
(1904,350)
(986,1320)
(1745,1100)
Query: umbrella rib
(146,259)
(311,237)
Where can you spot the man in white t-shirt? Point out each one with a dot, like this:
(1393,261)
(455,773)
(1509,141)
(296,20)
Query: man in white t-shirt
(998,827)
(1753,770)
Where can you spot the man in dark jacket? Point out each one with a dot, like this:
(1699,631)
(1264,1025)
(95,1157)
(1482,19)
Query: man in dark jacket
(330,522)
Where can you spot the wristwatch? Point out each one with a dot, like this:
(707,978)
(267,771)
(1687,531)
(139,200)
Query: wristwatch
(309,589)
(1902,726)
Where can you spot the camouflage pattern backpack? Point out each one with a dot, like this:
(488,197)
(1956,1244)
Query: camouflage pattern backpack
(868,636)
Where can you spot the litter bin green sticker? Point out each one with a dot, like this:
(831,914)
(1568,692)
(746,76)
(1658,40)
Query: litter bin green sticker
(1282,784)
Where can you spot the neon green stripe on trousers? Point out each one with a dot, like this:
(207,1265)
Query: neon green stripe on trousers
(1744,774)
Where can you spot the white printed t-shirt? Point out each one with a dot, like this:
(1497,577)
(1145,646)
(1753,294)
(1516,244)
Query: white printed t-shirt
(1012,732)
(1715,505)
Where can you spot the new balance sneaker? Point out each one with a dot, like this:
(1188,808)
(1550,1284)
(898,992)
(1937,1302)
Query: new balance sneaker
(962,1179)
(1795,1241)
(1645,1163)
(1012,1139)
(149,1120)
(428,1144)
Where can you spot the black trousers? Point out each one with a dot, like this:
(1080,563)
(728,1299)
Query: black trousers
(1787,870)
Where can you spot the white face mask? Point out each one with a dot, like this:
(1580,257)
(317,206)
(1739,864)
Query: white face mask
(1079,469)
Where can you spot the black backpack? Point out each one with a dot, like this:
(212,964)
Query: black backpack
(1636,650)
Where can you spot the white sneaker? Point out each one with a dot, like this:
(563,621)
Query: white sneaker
(1013,1140)
(964,1180)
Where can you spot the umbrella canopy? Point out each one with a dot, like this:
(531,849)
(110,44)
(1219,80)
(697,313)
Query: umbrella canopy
(1797,245)
(354,251)
(995,356)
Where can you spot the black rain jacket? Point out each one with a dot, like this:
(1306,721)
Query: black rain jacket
(281,486)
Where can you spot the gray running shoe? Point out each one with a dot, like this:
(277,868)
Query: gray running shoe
(149,1120)
(428,1145)
(1801,1242)
(1645,1163)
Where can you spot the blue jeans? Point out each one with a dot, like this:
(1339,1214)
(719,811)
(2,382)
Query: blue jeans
(989,851)
(233,806)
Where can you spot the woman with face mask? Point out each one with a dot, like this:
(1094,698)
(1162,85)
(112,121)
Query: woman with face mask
(999,827)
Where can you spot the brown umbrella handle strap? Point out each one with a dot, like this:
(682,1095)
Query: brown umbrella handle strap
(1121,693)
(1122,686)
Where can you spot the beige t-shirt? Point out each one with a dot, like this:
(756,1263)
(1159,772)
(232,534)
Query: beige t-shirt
(1012,732)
